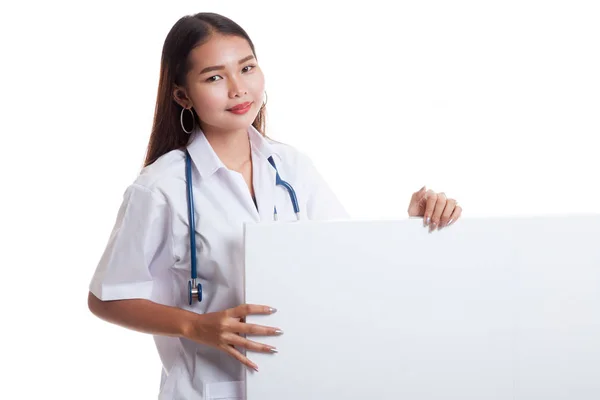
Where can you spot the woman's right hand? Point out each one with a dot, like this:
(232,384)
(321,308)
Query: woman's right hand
(223,329)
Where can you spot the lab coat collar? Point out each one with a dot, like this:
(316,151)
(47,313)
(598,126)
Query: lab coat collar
(261,144)
(208,162)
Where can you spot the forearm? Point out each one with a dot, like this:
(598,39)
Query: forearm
(142,315)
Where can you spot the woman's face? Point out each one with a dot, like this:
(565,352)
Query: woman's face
(225,84)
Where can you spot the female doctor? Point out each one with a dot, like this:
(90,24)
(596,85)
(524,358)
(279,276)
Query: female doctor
(210,105)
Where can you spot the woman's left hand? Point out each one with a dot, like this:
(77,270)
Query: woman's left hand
(437,210)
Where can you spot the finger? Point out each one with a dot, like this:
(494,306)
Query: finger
(253,329)
(418,195)
(431,199)
(455,214)
(448,210)
(440,204)
(239,341)
(416,201)
(246,309)
(239,356)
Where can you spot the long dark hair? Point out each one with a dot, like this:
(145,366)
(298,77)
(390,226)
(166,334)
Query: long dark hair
(187,33)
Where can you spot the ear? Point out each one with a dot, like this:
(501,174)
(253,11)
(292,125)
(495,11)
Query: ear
(181,97)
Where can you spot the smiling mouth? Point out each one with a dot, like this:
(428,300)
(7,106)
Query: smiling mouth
(240,108)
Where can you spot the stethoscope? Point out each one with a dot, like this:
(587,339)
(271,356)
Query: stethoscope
(194,287)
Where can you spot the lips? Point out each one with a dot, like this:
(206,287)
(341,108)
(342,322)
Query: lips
(240,107)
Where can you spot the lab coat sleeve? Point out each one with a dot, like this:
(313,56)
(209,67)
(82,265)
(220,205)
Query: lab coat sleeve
(322,203)
(140,241)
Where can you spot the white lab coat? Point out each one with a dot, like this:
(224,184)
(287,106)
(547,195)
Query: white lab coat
(148,255)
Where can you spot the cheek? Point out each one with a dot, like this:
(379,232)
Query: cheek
(257,86)
(209,100)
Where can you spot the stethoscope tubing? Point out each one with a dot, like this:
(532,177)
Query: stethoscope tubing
(194,288)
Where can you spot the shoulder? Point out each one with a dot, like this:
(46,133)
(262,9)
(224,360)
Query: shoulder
(292,158)
(159,176)
(298,166)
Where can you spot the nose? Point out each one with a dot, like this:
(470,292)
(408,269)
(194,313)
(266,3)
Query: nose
(237,88)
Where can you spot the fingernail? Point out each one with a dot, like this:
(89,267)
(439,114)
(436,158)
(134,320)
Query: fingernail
(449,222)
(433,225)
(427,221)
(272,310)
(273,350)
(256,368)
(279,332)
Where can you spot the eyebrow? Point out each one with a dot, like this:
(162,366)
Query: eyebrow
(220,67)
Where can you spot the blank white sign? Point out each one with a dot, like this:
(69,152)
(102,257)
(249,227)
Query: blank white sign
(495,308)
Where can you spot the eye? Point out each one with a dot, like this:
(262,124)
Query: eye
(247,68)
(213,78)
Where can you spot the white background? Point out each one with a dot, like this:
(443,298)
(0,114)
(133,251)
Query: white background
(495,103)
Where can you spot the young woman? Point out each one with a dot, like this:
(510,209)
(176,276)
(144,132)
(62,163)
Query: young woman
(209,115)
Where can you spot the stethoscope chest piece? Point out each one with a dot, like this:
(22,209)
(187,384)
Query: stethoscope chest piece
(194,291)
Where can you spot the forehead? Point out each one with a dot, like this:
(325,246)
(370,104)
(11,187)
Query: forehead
(220,50)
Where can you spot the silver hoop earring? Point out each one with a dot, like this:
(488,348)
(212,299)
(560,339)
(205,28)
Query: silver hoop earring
(181,120)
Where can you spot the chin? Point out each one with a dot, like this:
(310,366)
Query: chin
(240,121)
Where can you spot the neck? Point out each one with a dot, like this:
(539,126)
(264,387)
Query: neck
(232,147)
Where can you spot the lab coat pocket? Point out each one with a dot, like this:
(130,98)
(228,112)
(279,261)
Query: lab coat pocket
(234,390)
